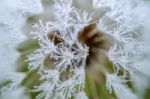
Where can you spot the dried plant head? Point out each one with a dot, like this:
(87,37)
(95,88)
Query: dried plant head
(73,53)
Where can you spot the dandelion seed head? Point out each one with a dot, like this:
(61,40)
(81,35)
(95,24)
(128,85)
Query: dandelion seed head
(74,39)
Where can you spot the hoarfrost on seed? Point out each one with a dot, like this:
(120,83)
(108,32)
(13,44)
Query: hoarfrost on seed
(60,45)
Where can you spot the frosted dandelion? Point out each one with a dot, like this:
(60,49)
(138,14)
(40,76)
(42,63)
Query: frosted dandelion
(82,46)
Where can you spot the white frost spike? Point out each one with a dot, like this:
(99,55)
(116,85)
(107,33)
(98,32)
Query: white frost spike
(63,9)
(68,88)
(70,36)
(48,87)
(82,17)
(36,60)
(118,85)
(41,30)
(65,57)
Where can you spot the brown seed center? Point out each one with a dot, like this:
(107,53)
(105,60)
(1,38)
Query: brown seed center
(97,41)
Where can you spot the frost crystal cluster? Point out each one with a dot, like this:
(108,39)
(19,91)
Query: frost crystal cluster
(73,41)
(59,42)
